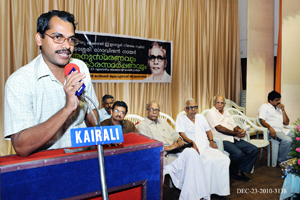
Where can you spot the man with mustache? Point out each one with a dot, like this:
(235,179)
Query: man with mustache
(157,62)
(273,116)
(40,103)
(186,168)
(119,111)
(107,103)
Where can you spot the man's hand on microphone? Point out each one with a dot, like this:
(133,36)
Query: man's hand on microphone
(73,83)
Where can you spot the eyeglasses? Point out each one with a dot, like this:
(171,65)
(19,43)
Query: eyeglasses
(121,112)
(218,102)
(192,107)
(159,58)
(156,109)
(59,39)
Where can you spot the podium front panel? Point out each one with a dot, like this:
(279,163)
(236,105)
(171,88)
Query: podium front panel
(137,166)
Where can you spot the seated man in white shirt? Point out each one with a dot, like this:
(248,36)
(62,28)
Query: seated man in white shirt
(107,103)
(194,128)
(242,153)
(185,169)
(272,115)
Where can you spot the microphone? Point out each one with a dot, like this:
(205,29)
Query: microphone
(69,68)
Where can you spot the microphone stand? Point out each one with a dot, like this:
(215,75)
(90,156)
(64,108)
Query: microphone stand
(100,151)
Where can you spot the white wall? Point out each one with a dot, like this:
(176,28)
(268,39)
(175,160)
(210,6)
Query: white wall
(243,26)
(290,79)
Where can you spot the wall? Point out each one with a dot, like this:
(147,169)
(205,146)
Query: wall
(260,58)
(290,80)
(243,10)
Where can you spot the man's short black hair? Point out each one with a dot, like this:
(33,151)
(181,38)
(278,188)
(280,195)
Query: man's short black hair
(122,104)
(43,22)
(107,96)
(273,95)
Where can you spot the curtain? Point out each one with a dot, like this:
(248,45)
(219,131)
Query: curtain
(205,35)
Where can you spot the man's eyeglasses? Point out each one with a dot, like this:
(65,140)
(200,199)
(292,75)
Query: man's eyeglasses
(121,112)
(159,58)
(156,109)
(192,107)
(59,39)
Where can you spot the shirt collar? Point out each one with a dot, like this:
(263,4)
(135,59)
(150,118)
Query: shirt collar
(111,122)
(148,121)
(42,68)
(273,106)
(225,109)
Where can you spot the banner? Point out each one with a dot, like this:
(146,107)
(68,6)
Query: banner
(117,58)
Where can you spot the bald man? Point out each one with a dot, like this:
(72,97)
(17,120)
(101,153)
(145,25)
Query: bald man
(242,153)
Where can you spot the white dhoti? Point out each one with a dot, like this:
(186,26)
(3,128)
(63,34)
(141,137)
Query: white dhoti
(216,164)
(187,173)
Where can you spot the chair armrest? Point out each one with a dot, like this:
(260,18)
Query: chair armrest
(219,142)
(289,127)
(253,119)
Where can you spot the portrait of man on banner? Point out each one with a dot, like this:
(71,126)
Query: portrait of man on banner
(158,63)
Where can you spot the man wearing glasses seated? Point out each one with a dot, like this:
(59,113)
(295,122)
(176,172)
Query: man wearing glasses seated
(194,128)
(40,103)
(242,154)
(186,168)
(157,62)
(119,110)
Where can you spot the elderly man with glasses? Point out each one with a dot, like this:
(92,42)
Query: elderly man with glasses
(40,103)
(242,154)
(194,128)
(119,111)
(157,62)
(186,168)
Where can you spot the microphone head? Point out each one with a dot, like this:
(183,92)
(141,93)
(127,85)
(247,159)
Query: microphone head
(69,67)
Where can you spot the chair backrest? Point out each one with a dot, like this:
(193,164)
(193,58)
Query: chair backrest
(204,112)
(241,121)
(231,104)
(233,111)
(168,118)
(134,118)
(181,113)
(258,121)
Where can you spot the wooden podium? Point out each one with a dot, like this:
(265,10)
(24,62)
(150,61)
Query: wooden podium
(133,171)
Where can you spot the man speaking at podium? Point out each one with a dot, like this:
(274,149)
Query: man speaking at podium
(40,103)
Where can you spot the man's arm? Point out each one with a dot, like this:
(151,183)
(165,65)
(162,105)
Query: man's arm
(173,146)
(271,130)
(211,139)
(236,131)
(286,119)
(29,140)
(144,130)
(188,140)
